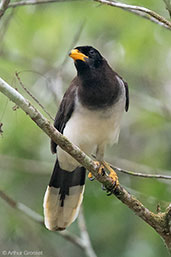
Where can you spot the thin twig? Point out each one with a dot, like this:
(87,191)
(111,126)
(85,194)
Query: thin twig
(39,219)
(57,92)
(84,235)
(35,2)
(42,167)
(139,10)
(3,6)
(161,222)
(32,96)
(84,243)
(3,29)
(73,239)
(138,174)
(74,42)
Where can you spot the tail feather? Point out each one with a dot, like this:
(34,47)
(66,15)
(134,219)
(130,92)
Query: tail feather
(63,197)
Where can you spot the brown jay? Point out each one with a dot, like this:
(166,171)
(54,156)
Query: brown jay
(89,116)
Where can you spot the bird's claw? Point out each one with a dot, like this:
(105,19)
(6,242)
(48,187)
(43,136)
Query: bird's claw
(101,170)
(103,167)
(90,176)
(113,176)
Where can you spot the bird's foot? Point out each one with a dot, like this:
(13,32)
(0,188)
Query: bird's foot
(112,175)
(103,168)
(101,171)
(90,176)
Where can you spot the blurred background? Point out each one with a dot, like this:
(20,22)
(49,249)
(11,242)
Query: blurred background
(35,41)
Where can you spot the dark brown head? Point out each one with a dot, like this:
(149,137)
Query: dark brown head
(86,59)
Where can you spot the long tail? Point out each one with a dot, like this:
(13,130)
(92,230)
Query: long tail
(63,197)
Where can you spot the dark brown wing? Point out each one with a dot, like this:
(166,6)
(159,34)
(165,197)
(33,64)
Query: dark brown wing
(126,92)
(127,96)
(65,111)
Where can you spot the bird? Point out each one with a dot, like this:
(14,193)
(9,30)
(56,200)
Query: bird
(89,115)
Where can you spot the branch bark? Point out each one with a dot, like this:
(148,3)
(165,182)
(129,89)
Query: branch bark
(43,167)
(142,175)
(36,2)
(160,222)
(3,6)
(39,219)
(84,234)
(138,10)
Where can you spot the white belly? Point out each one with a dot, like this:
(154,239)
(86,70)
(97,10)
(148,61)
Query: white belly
(88,129)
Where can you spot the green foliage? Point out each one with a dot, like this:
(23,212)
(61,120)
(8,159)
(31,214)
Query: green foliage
(38,39)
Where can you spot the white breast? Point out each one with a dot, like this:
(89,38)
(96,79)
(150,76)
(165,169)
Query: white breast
(89,129)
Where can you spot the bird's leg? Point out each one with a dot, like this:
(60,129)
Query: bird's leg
(112,174)
(99,158)
(105,167)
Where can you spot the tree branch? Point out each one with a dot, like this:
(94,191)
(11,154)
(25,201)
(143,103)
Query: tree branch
(3,29)
(138,10)
(139,174)
(84,234)
(3,6)
(84,243)
(161,222)
(33,97)
(39,219)
(42,167)
(36,2)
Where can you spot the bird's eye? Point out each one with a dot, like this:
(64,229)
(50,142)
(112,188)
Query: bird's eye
(91,52)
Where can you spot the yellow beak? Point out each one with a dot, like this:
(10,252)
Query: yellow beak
(77,55)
